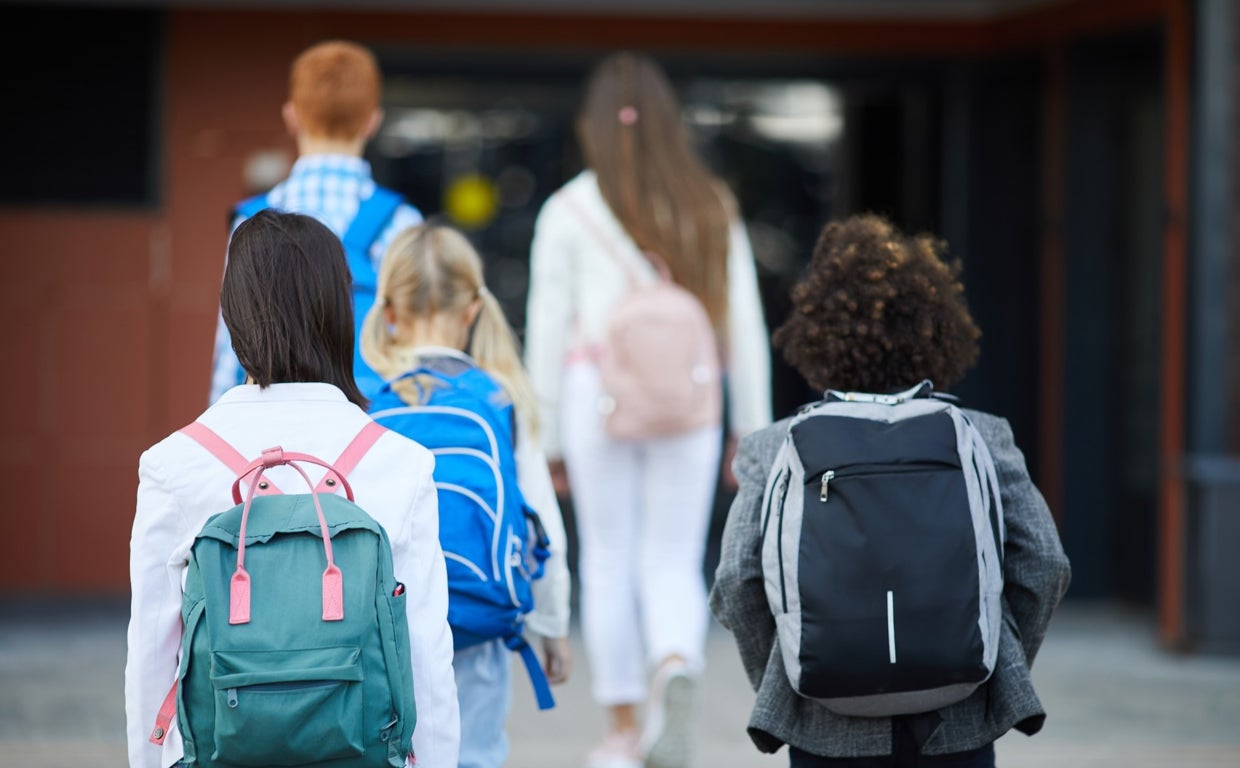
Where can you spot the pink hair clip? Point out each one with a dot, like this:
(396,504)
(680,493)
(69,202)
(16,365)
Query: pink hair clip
(628,115)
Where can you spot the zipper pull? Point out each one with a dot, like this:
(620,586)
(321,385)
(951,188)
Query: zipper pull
(827,477)
(385,732)
(232,698)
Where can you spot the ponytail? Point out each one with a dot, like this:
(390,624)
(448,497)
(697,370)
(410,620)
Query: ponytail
(494,346)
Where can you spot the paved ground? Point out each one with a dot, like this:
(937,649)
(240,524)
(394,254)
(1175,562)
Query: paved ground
(1114,699)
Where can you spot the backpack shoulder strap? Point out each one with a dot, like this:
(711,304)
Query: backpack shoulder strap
(232,458)
(220,449)
(248,207)
(595,230)
(372,216)
(352,454)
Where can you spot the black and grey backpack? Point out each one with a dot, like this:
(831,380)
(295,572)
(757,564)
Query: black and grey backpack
(882,546)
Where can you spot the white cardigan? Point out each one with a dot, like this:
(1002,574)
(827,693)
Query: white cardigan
(575,280)
(180,485)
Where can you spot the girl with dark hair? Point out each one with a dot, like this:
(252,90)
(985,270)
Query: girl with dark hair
(879,311)
(286,301)
(642,504)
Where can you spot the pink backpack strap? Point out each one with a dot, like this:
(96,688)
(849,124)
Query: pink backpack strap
(220,449)
(164,718)
(591,224)
(352,454)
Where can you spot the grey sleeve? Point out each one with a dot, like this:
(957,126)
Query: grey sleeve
(738,597)
(1036,571)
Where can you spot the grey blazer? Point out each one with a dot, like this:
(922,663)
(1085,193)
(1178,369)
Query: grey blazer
(1036,574)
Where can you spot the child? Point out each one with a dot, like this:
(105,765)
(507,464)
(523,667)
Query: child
(433,314)
(879,311)
(285,299)
(332,112)
(642,506)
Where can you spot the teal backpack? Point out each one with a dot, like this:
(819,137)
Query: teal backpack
(285,661)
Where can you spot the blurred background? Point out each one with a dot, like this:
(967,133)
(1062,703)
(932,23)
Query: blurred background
(1079,157)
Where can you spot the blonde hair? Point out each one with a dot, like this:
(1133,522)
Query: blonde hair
(334,86)
(433,269)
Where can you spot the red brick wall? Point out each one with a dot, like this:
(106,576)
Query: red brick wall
(110,315)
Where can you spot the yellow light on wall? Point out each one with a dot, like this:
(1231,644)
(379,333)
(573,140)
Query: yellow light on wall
(471,201)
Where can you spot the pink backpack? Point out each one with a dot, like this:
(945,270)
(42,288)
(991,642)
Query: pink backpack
(659,361)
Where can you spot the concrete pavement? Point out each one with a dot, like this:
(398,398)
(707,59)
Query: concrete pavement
(1113,697)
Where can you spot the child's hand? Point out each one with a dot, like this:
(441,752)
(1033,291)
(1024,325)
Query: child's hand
(557,659)
(729,453)
(559,477)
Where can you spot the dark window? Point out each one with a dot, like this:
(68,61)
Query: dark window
(80,94)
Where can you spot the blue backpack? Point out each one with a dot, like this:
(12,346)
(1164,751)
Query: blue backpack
(373,215)
(494,543)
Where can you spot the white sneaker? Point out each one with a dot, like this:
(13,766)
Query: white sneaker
(667,740)
(620,749)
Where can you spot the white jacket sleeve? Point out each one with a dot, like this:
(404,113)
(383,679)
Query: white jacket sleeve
(154,635)
(552,592)
(419,563)
(749,356)
(549,315)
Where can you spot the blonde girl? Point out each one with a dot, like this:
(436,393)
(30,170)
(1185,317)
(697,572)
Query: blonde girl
(433,312)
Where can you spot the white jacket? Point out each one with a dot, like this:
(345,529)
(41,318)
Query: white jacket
(575,280)
(180,485)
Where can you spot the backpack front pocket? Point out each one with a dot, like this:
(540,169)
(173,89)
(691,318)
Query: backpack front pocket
(287,707)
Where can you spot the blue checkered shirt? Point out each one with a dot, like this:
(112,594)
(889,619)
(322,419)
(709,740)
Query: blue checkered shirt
(330,188)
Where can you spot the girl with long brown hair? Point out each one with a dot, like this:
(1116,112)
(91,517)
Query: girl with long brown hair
(645,206)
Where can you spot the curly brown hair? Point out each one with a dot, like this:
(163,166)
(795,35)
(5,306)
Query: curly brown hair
(878,311)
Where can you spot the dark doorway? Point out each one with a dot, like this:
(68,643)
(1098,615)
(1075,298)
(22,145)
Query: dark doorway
(799,141)
(1113,266)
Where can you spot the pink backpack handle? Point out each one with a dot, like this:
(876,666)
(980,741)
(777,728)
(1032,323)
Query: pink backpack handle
(239,586)
(277,456)
(239,597)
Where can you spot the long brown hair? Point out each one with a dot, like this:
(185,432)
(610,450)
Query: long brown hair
(287,302)
(632,136)
(430,270)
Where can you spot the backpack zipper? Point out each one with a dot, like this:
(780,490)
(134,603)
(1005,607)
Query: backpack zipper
(777,491)
(827,477)
(779,555)
(861,470)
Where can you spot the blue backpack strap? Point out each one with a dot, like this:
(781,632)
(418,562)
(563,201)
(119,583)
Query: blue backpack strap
(538,679)
(373,214)
(248,207)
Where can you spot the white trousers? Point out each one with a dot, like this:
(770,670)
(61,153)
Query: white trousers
(643,511)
